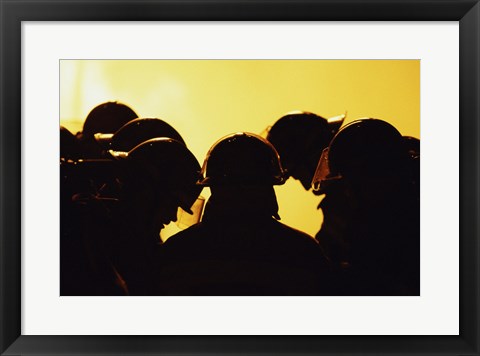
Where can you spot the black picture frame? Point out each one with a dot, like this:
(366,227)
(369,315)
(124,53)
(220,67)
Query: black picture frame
(13,12)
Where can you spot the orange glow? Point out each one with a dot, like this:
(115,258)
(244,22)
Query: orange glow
(207,99)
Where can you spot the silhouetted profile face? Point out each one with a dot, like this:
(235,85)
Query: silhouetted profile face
(299,138)
(152,206)
(338,206)
(161,176)
(301,172)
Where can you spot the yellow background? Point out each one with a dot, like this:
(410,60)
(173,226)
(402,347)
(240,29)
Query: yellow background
(207,99)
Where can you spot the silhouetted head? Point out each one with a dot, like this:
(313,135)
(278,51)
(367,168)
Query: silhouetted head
(299,138)
(242,159)
(107,118)
(241,170)
(140,130)
(161,175)
(362,150)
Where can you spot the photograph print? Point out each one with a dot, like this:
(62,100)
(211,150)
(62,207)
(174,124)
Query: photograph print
(239,177)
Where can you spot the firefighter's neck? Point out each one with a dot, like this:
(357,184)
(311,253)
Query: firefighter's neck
(236,202)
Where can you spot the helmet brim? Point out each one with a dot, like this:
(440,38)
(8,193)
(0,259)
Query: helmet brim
(118,155)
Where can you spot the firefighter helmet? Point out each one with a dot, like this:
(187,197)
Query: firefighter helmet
(242,159)
(168,165)
(107,118)
(362,147)
(140,130)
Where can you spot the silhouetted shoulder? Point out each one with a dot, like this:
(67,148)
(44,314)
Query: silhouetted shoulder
(185,243)
(292,232)
(297,247)
(221,259)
